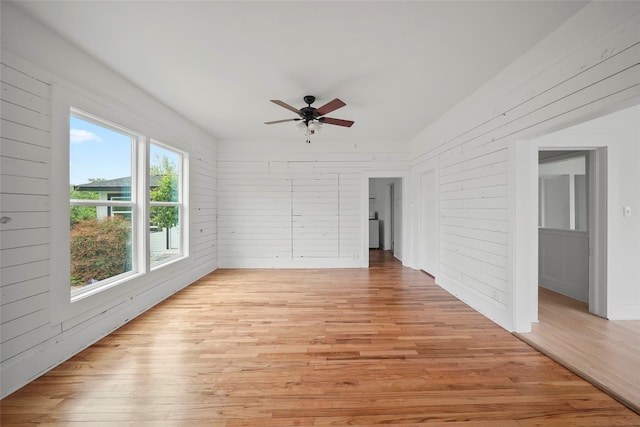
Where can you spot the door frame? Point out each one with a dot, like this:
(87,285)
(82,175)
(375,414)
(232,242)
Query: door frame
(524,229)
(392,219)
(597,220)
(424,206)
(402,175)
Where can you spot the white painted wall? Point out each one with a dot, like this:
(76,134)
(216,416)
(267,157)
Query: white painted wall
(570,166)
(37,333)
(584,69)
(295,205)
(563,262)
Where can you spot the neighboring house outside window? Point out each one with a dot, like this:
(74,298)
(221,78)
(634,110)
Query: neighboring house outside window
(164,241)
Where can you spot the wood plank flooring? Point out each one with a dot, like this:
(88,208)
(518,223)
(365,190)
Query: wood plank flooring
(605,352)
(312,348)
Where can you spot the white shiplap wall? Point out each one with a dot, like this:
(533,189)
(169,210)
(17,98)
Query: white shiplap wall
(203,207)
(293,208)
(24,208)
(587,67)
(35,334)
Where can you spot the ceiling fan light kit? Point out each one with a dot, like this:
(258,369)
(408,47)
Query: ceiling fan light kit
(312,119)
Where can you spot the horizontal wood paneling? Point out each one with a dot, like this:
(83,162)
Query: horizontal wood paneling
(24,81)
(25,116)
(21,344)
(19,167)
(204,203)
(22,307)
(23,255)
(24,289)
(21,133)
(23,221)
(25,323)
(470,146)
(14,95)
(23,151)
(24,202)
(309,209)
(24,272)
(24,198)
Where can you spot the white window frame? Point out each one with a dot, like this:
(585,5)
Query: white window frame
(67,309)
(179,204)
(136,243)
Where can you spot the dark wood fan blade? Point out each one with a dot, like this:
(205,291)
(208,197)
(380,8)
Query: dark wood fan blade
(339,122)
(330,106)
(280,121)
(285,105)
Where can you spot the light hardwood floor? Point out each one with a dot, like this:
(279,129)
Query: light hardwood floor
(383,345)
(605,352)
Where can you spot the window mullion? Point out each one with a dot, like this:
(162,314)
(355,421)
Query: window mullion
(89,202)
(165,203)
(143,202)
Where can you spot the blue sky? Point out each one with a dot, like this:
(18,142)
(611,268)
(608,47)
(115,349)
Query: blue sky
(98,152)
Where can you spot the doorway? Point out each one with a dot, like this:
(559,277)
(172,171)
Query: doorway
(527,219)
(572,225)
(563,237)
(385,215)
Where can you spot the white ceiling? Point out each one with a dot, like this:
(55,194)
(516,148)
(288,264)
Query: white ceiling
(397,64)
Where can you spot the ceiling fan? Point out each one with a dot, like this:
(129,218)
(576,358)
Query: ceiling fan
(311,118)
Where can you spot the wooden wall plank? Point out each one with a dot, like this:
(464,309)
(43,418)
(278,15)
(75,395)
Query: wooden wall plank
(24,151)
(22,133)
(24,289)
(17,96)
(23,324)
(23,220)
(12,184)
(20,167)
(14,347)
(24,81)
(18,114)
(23,238)
(23,307)
(23,255)
(22,272)
(24,203)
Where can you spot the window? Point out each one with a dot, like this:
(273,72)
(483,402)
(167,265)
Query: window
(123,221)
(562,194)
(165,206)
(100,165)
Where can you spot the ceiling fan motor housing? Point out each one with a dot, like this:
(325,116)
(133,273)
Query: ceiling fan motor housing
(309,113)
